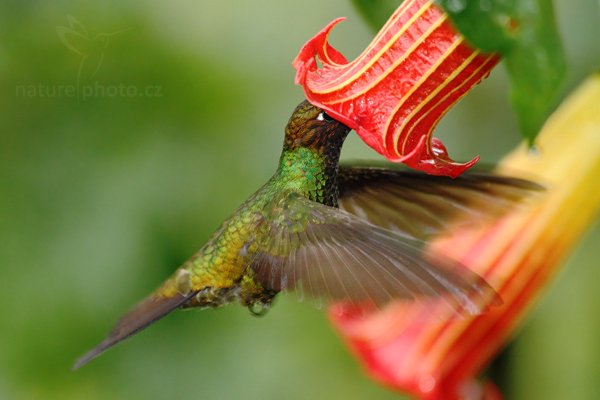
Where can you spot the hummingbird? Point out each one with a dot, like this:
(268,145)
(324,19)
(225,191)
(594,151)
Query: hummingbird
(336,233)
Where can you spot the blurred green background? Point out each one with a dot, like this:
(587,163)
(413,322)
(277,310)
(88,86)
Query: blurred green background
(179,118)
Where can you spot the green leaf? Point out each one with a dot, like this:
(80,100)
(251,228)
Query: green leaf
(524,32)
(376,12)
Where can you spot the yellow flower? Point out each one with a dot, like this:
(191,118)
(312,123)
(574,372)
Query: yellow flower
(518,255)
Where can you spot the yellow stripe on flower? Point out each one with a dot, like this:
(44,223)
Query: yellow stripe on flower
(399,129)
(409,124)
(343,80)
(400,60)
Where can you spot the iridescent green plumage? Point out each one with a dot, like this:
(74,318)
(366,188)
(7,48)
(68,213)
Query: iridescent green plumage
(307,167)
(291,235)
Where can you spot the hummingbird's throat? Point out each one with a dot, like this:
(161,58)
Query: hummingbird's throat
(312,173)
(311,153)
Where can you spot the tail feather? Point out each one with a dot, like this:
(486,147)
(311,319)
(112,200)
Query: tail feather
(145,313)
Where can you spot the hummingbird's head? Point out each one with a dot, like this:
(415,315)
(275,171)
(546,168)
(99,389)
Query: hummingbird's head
(311,127)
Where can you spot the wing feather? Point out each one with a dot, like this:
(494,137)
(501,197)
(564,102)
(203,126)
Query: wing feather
(421,206)
(329,254)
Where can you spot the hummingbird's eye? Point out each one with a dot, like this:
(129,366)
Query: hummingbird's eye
(323,116)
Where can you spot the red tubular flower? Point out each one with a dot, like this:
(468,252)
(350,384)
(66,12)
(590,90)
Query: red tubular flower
(518,255)
(396,91)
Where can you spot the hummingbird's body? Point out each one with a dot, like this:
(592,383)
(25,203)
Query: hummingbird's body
(308,167)
(291,235)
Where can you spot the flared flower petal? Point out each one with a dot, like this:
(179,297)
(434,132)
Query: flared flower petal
(518,255)
(396,91)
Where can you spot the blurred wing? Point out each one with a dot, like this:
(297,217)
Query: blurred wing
(148,311)
(326,253)
(419,205)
